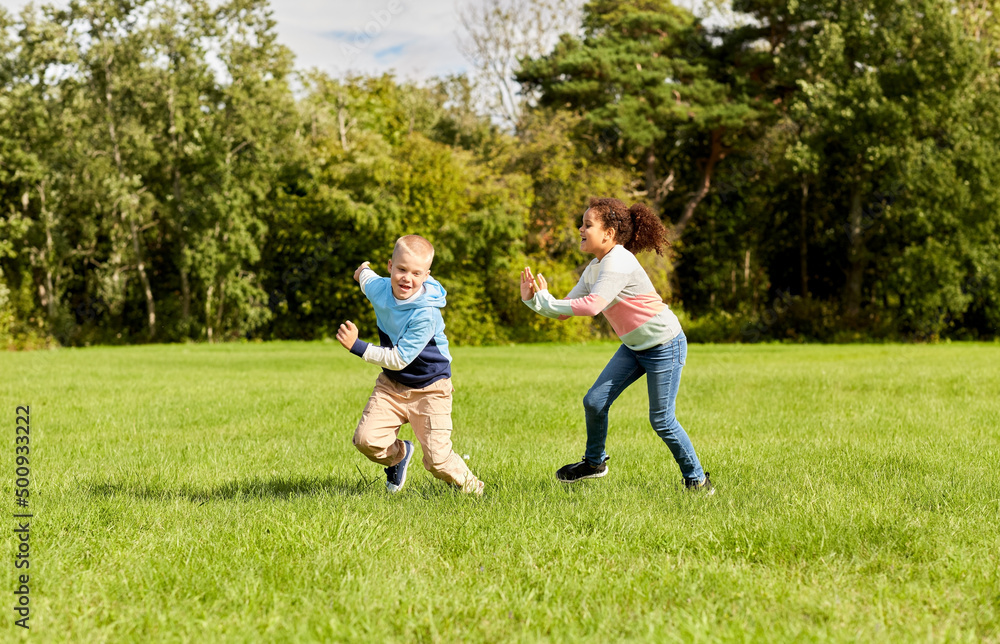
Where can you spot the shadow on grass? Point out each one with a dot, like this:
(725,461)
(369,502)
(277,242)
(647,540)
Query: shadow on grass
(277,487)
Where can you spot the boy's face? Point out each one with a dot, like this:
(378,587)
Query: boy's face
(408,272)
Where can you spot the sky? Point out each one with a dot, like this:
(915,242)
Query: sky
(415,39)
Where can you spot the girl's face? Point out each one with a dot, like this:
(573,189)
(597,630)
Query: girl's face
(595,239)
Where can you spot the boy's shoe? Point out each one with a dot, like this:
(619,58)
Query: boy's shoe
(579,471)
(472,486)
(700,486)
(395,476)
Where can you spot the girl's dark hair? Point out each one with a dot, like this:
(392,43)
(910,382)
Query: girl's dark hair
(636,228)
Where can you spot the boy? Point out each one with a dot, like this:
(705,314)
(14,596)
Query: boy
(415,383)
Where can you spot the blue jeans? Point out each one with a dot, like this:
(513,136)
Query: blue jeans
(662,365)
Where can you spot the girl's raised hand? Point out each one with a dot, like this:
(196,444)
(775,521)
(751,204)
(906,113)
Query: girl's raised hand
(527,284)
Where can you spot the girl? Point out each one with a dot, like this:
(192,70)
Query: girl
(615,284)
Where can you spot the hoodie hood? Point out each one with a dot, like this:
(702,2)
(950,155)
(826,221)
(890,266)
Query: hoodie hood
(433,295)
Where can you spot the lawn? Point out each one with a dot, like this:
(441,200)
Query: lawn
(211,493)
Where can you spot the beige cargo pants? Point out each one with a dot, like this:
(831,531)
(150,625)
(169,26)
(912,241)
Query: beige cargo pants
(428,410)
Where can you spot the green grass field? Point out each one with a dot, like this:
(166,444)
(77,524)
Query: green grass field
(211,493)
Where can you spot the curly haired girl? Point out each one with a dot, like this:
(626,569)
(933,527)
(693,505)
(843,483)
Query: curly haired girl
(615,284)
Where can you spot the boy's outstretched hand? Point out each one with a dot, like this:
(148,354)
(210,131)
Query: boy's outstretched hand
(531,284)
(347,334)
(357,273)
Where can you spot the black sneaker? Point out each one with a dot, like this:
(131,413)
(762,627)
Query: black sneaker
(395,476)
(700,486)
(579,471)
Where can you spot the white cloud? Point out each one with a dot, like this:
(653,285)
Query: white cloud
(417,40)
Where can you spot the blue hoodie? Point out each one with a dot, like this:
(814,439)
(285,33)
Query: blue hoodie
(413,348)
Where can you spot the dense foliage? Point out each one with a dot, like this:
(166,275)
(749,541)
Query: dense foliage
(827,170)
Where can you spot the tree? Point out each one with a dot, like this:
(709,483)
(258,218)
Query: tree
(883,98)
(250,135)
(185,103)
(40,149)
(112,63)
(641,78)
(497,34)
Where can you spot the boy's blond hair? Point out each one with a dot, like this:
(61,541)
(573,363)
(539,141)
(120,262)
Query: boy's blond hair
(414,245)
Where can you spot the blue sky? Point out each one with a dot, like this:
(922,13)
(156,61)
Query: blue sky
(414,39)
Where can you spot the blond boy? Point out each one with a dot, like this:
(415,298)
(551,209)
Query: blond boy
(415,383)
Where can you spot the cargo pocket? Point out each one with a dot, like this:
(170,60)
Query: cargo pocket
(439,438)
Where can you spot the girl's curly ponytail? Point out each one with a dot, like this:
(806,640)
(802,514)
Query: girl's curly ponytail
(636,228)
(648,232)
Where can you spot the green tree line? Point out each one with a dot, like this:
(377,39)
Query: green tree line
(827,171)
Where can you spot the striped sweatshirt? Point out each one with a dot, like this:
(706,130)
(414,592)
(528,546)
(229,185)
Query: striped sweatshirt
(618,287)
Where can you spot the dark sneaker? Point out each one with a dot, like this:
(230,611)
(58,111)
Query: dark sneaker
(700,486)
(395,476)
(579,471)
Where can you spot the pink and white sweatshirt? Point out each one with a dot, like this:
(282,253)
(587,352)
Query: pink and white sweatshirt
(618,287)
